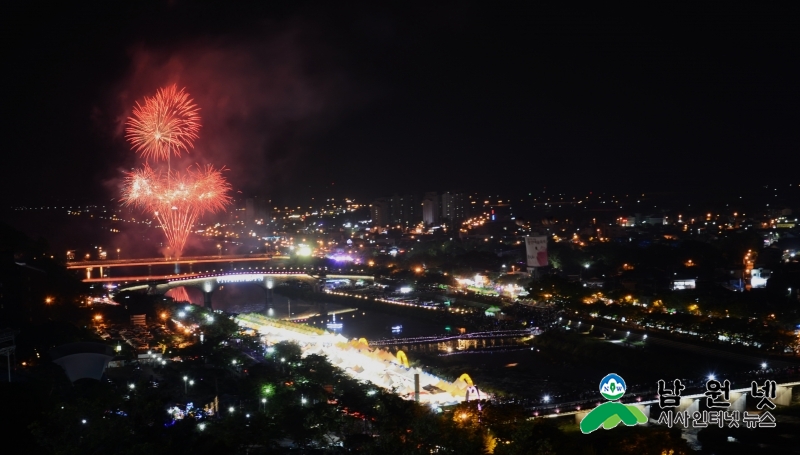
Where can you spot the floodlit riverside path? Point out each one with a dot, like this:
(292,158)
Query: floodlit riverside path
(358,360)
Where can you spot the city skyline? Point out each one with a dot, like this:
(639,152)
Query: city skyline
(357,227)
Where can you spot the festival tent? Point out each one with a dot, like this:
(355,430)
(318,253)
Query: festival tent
(397,369)
(384,381)
(405,389)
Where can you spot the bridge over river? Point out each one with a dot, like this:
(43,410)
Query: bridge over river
(474,340)
(208,283)
(105,265)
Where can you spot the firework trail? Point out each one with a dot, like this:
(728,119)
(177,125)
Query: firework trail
(177,199)
(163,124)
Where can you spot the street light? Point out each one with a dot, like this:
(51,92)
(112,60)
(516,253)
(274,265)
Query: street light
(219,249)
(185,387)
(264,402)
(118,254)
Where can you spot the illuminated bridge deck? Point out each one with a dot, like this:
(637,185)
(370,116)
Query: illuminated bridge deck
(466,336)
(199,276)
(260,275)
(163,261)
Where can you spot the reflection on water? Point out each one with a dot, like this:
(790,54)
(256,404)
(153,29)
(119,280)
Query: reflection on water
(374,325)
(362,323)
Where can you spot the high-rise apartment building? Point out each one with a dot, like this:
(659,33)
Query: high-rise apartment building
(405,210)
(454,208)
(379,211)
(430,209)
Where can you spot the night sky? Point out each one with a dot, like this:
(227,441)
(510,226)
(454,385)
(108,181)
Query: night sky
(304,99)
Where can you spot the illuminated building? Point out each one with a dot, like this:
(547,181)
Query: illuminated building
(430,209)
(759,277)
(405,210)
(638,219)
(687,283)
(453,207)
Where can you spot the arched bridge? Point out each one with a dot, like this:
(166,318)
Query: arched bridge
(210,282)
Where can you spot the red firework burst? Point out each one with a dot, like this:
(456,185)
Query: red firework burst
(177,199)
(164,124)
